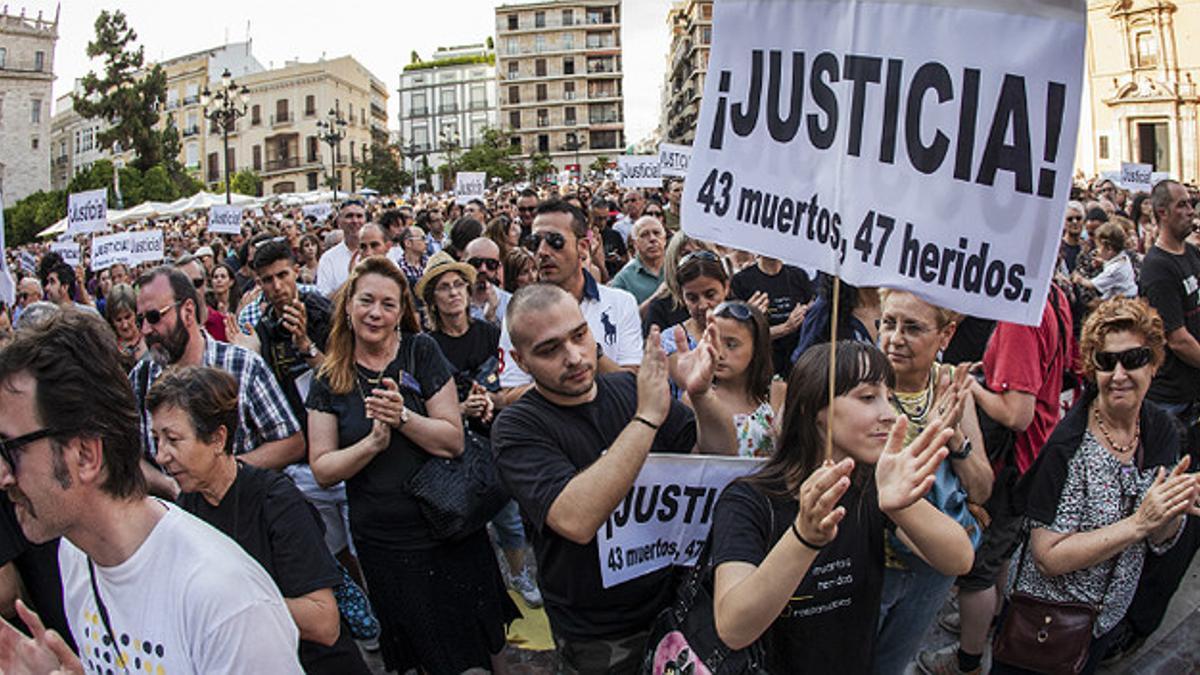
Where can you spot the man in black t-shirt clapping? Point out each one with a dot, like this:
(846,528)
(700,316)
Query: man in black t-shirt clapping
(569,451)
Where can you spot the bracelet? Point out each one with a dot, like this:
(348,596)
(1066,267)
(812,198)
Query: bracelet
(809,544)
(643,420)
(963,452)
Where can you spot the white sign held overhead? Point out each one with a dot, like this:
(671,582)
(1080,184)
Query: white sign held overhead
(69,251)
(665,517)
(673,159)
(469,185)
(318,211)
(145,247)
(225,219)
(836,135)
(8,289)
(638,171)
(87,211)
(109,250)
(1137,177)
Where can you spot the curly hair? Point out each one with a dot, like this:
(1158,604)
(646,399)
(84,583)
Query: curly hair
(1118,315)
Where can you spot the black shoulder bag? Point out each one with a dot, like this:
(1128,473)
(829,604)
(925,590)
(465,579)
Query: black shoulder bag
(458,496)
(103,611)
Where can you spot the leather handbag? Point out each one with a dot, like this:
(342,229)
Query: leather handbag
(683,639)
(459,496)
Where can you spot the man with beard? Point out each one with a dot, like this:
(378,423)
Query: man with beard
(144,584)
(569,452)
(559,243)
(168,314)
(489,300)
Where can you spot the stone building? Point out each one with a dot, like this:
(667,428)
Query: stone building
(26,78)
(1140,98)
(690,25)
(560,74)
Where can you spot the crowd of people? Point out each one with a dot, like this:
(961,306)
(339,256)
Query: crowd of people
(207,462)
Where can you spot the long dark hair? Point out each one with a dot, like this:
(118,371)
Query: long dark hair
(801,447)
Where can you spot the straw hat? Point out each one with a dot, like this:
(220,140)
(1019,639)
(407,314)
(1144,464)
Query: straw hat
(439,264)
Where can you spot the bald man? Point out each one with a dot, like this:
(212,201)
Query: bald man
(489,300)
(372,241)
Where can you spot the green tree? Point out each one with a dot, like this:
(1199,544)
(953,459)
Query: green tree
(379,169)
(126,94)
(494,154)
(131,186)
(414,57)
(100,175)
(157,185)
(34,213)
(246,182)
(599,165)
(540,166)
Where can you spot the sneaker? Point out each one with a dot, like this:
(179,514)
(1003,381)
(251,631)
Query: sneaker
(523,584)
(950,622)
(943,661)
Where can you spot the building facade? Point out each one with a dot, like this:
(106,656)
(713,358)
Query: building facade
(560,76)
(73,141)
(26,79)
(447,102)
(1140,98)
(690,25)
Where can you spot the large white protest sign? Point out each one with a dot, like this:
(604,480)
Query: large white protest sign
(145,247)
(109,250)
(639,171)
(87,211)
(318,211)
(469,185)
(837,135)
(673,159)
(69,251)
(1137,177)
(8,289)
(665,518)
(225,219)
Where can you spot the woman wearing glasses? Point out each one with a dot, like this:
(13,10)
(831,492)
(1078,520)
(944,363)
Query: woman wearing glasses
(1108,486)
(383,403)
(911,334)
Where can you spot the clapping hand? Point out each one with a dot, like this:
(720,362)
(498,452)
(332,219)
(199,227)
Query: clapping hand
(760,300)
(694,368)
(385,404)
(905,473)
(478,404)
(1171,495)
(654,394)
(950,399)
(819,513)
(45,652)
(295,321)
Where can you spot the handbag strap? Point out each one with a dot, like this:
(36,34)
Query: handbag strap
(103,611)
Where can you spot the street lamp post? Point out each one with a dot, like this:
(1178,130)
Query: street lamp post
(574,144)
(450,145)
(411,151)
(332,131)
(230,103)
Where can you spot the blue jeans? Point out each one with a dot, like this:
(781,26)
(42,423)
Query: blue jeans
(910,602)
(510,533)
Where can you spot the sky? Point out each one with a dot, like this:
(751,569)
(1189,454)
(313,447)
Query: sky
(380,35)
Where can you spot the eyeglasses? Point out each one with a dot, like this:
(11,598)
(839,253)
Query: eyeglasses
(526,209)
(696,256)
(10,445)
(491,263)
(451,287)
(198,282)
(155,315)
(910,329)
(1074,219)
(736,310)
(1130,359)
(656,214)
(554,239)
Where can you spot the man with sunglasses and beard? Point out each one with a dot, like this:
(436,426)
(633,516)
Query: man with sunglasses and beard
(489,300)
(168,316)
(559,244)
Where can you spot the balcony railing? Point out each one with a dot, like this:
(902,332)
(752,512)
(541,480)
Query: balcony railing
(605,67)
(448,108)
(612,118)
(191,131)
(189,100)
(283,163)
(281,119)
(479,105)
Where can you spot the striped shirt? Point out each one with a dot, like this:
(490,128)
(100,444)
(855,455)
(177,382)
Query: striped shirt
(263,412)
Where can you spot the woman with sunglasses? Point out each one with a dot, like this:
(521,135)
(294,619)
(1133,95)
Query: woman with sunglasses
(912,333)
(797,547)
(382,404)
(1108,487)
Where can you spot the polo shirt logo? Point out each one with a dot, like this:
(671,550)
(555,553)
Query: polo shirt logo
(610,329)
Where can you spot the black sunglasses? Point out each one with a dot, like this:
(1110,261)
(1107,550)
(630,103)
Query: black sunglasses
(1130,359)
(491,263)
(696,256)
(1074,219)
(526,209)
(154,315)
(9,445)
(734,309)
(554,239)
(198,282)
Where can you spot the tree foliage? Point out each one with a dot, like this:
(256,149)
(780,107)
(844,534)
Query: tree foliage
(540,166)
(126,94)
(599,165)
(493,154)
(379,169)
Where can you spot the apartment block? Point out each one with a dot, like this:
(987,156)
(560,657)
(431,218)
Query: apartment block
(26,78)
(560,76)
(73,141)
(690,24)
(447,102)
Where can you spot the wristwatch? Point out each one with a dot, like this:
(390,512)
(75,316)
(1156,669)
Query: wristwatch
(312,351)
(403,416)
(963,452)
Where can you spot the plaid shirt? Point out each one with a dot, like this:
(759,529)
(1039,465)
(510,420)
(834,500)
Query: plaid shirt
(253,311)
(263,412)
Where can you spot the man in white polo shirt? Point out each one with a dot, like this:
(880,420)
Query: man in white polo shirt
(334,267)
(558,242)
